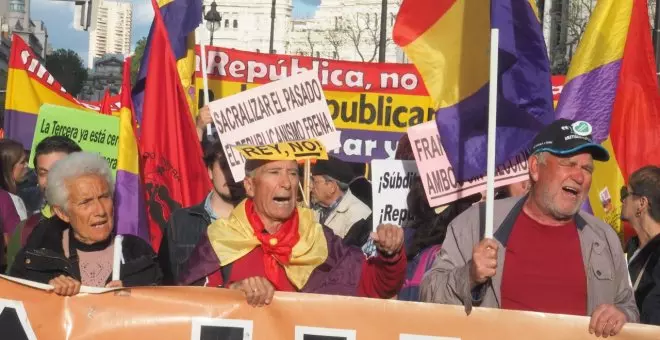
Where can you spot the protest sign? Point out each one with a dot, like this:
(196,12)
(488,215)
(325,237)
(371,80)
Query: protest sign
(390,186)
(438,177)
(296,150)
(29,86)
(372,104)
(290,109)
(203,313)
(92,131)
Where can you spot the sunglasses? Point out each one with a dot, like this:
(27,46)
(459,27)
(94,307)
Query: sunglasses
(625,193)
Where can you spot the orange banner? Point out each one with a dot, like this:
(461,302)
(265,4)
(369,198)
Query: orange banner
(212,313)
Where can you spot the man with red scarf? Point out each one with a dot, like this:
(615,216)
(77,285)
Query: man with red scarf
(269,244)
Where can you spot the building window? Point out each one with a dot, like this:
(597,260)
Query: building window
(235,23)
(226,23)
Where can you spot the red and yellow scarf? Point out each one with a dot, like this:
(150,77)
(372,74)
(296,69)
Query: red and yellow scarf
(298,247)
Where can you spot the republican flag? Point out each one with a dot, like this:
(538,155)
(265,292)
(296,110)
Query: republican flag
(612,84)
(106,103)
(173,171)
(448,41)
(130,214)
(29,86)
(181,18)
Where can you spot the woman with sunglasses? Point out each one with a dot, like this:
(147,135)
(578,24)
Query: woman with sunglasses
(641,208)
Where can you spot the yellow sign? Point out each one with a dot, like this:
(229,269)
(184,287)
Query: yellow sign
(298,150)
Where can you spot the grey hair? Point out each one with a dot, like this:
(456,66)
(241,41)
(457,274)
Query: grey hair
(342,186)
(71,167)
(541,157)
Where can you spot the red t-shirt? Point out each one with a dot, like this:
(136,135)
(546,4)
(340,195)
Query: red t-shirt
(543,269)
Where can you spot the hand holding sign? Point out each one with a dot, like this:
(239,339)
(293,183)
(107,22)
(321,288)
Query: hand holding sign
(388,239)
(65,285)
(258,290)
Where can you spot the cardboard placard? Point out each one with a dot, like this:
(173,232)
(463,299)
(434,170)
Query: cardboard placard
(438,177)
(290,109)
(92,131)
(390,188)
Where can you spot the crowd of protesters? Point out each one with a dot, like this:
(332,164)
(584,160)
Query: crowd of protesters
(257,237)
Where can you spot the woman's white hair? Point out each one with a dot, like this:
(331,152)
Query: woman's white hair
(75,165)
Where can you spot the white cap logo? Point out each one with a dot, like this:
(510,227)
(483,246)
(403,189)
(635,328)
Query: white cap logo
(582,128)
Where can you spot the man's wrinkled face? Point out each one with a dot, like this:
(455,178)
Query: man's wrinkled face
(563,183)
(44,164)
(274,190)
(89,208)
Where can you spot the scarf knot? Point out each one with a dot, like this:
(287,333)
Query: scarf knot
(276,247)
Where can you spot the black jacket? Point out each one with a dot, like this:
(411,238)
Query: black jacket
(43,258)
(358,234)
(181,235)
(647,294)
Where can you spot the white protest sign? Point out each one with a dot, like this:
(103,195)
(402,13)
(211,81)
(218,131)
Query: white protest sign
(438,176)
(290,109)
(391,184)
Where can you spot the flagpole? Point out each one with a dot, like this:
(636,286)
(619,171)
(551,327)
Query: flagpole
(306,180)
(656,37)
(205,77)
(492,123)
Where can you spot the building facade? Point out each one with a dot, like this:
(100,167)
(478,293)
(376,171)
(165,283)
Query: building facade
(15,19)
(346,30)
(105,75)
(340,29)
(245,25)
(112,30)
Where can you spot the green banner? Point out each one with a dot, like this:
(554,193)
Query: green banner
(92,131)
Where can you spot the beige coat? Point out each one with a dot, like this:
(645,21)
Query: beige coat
(604,262)
(349,211)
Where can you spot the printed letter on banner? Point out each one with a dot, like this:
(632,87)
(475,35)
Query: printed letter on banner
(391,180)
(290,109)
(437,174)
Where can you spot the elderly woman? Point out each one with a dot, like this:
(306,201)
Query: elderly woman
(77,245)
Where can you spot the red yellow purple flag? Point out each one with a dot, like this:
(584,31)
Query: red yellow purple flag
(612,84)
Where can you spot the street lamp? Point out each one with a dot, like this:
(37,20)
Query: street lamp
(213,19)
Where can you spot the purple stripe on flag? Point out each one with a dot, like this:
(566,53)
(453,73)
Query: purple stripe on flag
(129,206)
(590,97)
(20,126)
(463,128)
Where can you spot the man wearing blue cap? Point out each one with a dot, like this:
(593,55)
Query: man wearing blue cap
(546,255)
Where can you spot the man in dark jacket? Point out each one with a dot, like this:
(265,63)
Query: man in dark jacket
(187,225)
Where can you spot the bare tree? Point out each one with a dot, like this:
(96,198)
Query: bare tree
(310,42)
(363,32)
(336,38)
(579,13)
